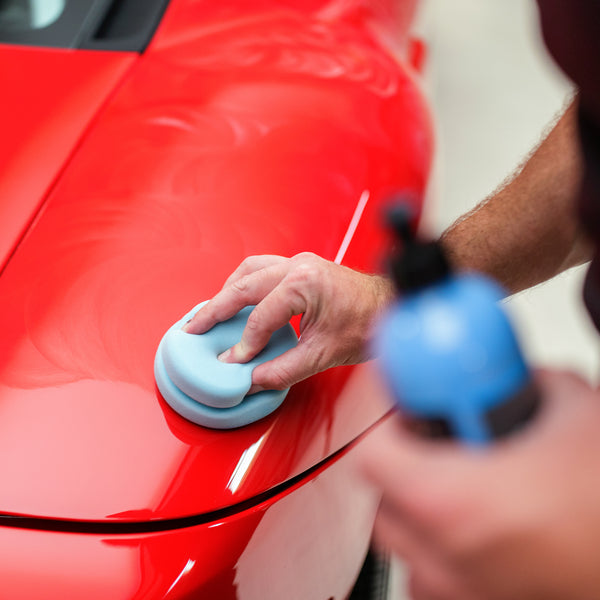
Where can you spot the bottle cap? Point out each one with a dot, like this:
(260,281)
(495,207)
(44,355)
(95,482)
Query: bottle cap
(417,263)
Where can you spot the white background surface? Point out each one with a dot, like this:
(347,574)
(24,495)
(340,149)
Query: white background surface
(494,91)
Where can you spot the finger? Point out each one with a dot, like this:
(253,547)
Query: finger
(394,533)
(254,263)
(437,581)
(425,481)
(272,312)
(393,460)
(248,290)
(390,453)
(565,400)
(285,370)
(560,383)
(431,575)
(254,389)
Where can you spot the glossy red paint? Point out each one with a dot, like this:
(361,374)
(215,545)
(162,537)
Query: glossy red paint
(246,128)
(209,151)
(48,99)
(271,551)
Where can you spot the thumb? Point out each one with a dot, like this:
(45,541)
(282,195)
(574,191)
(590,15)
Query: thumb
(422,480)
(285,370)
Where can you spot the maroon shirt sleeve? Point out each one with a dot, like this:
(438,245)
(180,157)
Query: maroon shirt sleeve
(571,30)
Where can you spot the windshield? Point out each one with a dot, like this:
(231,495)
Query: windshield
(95,24)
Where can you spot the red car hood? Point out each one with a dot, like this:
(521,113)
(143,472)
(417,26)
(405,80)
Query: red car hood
(48,99)
(200,158)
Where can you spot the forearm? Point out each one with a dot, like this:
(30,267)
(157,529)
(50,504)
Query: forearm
(528,231)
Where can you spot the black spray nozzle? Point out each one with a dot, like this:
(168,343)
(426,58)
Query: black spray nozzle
(401,219)
(415,263)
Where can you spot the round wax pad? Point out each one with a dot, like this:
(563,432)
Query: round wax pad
(207,391)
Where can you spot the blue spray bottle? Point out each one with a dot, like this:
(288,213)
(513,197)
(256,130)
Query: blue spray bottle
(447,349)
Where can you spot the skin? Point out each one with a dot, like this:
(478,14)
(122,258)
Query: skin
(338,306)
(528,231)
(518,520)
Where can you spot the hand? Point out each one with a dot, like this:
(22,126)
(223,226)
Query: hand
(520,519)
(337,306)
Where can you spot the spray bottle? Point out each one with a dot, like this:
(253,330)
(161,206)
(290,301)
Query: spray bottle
(446,347)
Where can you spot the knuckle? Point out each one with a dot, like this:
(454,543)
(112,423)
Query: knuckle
(306,273)
(241,286)
(249,260)
(320,357)
(253,324)
(308,269)
(242,352)
(280,378)
(305,257)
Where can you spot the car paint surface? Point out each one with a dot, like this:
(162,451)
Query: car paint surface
(270,551)
(206,153)
(245,128)
(48,99)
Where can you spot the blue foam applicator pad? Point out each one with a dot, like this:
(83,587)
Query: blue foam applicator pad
(206,391)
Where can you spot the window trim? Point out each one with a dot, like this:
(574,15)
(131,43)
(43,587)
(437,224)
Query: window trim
(114,25)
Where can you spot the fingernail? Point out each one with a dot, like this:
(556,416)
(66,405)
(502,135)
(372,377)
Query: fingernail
(185,328)
(255,389)
(224,355)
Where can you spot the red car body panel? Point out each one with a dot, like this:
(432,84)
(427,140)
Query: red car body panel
(275,549)
(48,99)
(243,129)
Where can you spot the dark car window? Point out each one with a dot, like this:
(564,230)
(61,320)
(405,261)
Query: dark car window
(94,24)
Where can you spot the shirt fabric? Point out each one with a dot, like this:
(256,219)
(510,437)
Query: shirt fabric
(571,30)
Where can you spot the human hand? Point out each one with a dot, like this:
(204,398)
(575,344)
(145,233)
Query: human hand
(519,519)
(337,304)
